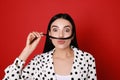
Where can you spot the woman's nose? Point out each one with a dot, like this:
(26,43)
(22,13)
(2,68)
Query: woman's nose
(61,34)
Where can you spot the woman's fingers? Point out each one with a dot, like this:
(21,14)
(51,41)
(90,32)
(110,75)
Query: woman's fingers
(34,36)
(37,34)
(31,36)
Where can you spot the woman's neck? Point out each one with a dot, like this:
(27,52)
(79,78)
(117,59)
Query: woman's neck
(63,53)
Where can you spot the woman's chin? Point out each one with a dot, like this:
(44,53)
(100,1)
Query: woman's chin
(61,46)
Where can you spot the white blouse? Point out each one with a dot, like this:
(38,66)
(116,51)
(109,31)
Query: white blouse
(41,67)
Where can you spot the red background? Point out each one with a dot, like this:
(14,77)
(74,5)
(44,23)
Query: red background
(97,23)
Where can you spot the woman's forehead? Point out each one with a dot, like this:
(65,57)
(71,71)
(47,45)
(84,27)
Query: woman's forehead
(61,23)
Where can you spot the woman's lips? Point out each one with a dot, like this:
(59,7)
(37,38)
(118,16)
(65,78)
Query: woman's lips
(61,41)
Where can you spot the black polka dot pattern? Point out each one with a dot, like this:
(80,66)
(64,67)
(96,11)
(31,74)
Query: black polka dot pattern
(42,68)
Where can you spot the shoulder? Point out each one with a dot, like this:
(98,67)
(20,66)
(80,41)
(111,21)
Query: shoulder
(89,57)
(43,56)
(83,54)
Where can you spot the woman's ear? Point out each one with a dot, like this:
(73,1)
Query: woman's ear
(49,34)
(72,36)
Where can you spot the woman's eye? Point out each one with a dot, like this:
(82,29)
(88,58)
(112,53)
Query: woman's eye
(54,30)
(67,30)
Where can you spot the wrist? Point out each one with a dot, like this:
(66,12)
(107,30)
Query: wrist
(24,54)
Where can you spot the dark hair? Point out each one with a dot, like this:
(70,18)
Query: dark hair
(48,44)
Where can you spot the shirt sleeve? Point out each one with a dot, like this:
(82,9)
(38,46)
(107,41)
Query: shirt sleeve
(91,67)
(17,72)
(13,72)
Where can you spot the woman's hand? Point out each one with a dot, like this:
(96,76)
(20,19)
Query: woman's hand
(32,41)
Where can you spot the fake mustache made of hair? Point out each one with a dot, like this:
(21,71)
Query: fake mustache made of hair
(53,37)
(58,37)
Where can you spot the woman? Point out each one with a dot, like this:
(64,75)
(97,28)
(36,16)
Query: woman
(61,58)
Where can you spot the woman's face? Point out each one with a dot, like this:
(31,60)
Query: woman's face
(61,28)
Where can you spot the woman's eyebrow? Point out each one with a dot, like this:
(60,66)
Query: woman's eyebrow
(54,26)
(67,26)
(58,27)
